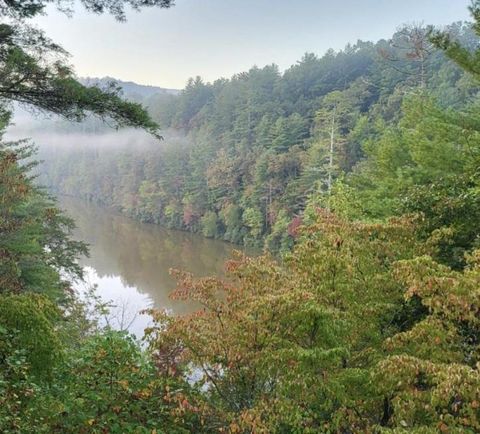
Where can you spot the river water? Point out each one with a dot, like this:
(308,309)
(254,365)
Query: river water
(129,262)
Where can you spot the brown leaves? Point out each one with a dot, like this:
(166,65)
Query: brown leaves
(274,341)
(452,295)
(437,378)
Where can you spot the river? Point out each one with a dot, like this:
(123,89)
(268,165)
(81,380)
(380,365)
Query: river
(130,261)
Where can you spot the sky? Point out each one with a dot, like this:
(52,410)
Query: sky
(218,38)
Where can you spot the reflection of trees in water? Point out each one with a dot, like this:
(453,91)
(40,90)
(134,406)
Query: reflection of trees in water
(141,254)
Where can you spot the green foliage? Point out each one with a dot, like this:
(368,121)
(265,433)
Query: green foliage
(109,384)
(35,73)
(451,208)
(369,324)
(209,224)
(280,240)
(431,373)
(278,329)
(253,219)
(390,333)
(467,56)
(16,386)
(106,384)
(260,141)
(425,164)
(30,352)
(35,246)
(231,216)
(30,321)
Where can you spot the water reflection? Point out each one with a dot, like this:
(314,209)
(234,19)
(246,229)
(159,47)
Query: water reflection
(130,261)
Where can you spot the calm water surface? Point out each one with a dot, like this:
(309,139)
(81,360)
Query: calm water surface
(130,261)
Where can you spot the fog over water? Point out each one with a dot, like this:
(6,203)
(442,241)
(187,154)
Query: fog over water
(54,132)
(129,261)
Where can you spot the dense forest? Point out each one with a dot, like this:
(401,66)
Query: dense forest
(361,166)
(244,157)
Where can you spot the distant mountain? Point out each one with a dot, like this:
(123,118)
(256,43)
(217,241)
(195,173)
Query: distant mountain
(132,91)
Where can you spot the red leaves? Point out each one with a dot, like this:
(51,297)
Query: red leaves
(189,215)
(293,227)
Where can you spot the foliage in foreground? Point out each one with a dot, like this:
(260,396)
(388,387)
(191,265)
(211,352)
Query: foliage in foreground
(106,385)
(375,336)
(60,373)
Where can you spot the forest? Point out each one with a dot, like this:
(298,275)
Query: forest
(244,157)
(357,172)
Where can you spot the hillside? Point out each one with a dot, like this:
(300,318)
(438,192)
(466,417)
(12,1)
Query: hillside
(132,91)
(256,147)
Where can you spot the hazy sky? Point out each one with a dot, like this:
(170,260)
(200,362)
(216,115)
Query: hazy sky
(217,38)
